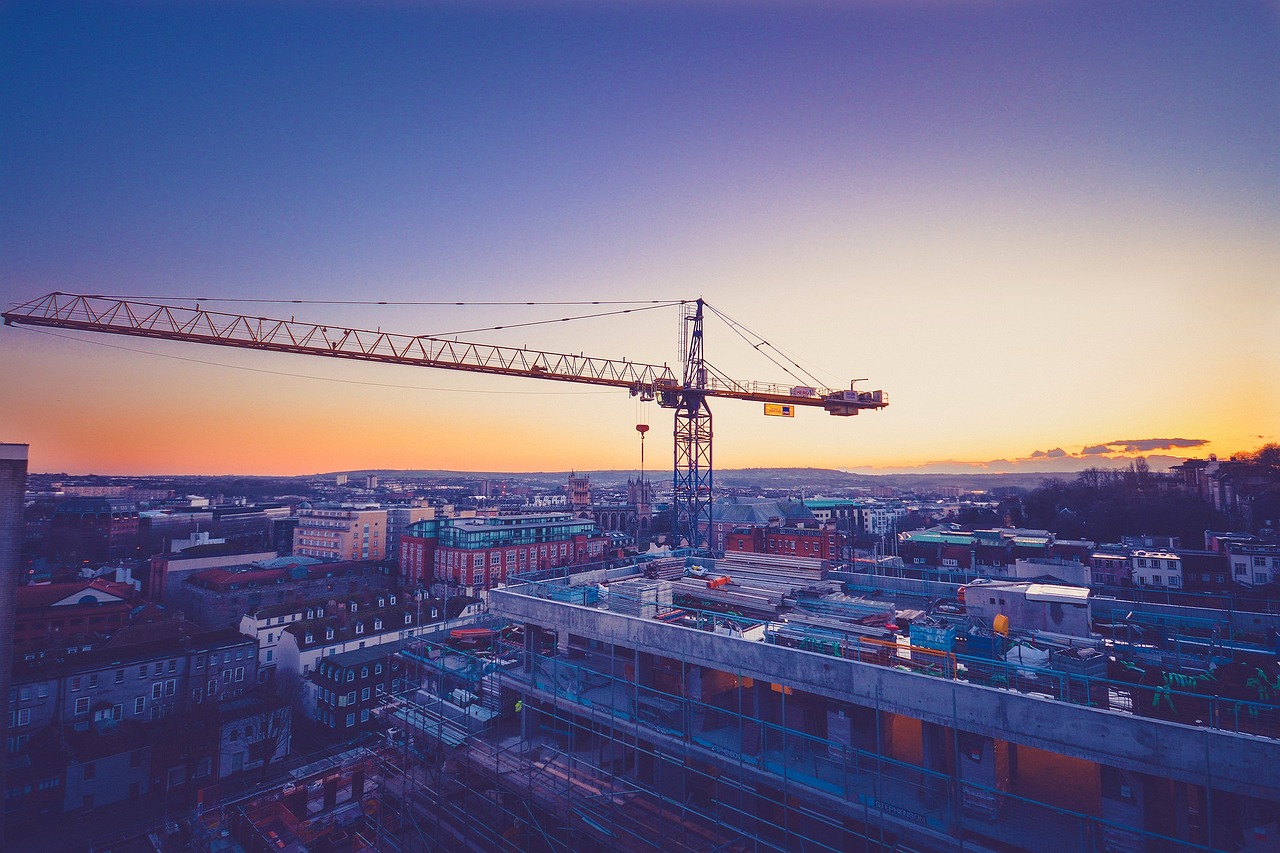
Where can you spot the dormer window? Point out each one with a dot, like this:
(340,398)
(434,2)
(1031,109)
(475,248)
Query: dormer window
(354,607)
(393,599)
(382,602)
(377,624)
(359,627)
(408,619)
(310,638)
(328,633)
(311,614)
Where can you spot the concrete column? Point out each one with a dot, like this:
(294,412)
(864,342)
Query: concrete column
(935,746)
(13,486)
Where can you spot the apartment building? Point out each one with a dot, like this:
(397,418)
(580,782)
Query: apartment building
(474,554)
(340,533)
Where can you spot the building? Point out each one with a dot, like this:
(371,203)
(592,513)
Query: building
(346,688)
(398,520)
(340,533)
(93,529)
(218,598)
(848,746)
(469,555)
(1253,564)
(1157,568)
(1110,565)
(55,616)
(814,543)
(729,514)
(170,571)
(964,554)
(13,486)
(350,624)
(139,714)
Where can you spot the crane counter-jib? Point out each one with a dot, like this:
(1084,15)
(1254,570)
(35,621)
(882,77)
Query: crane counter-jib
(111,315)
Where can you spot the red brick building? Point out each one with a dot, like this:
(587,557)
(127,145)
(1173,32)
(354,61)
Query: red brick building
(52,614)
(813,543)
(478,553)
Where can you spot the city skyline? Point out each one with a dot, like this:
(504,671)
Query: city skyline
(1047,230)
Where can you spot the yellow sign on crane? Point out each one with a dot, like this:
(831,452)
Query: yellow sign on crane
(778,410)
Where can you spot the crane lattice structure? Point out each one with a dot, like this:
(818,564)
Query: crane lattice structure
(686,393)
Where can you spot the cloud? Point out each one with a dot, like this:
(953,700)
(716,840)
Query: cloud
(1095,449)
(1056,453)
(1142,445)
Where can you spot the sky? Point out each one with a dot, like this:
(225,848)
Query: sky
(1049,231)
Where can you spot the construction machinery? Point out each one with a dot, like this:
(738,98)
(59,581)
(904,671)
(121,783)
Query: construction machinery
(686,392)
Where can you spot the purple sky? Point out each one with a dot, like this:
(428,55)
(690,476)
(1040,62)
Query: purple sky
(1035,224)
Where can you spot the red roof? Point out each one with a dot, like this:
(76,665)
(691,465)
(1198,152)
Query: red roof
(46,595)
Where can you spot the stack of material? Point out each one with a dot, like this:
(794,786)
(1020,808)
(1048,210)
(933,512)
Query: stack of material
(798,565)
(736,596)
(846,607)
(784,574)
(640,597)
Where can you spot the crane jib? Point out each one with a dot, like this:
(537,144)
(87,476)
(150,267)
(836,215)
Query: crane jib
(110,315)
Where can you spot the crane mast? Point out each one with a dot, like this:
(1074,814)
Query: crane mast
(686,394)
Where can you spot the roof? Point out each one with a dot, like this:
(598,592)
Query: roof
(1057,593)
(368,654)
(47,595)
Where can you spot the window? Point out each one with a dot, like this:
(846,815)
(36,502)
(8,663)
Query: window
(139,704)
(82,705)
(377,669)
(364,695)
(1260,562)
(351,675)
(351,719)
(364,672)
(239,673)
(75,683)
(351,698)
(408,619)
(24,716)
(270,654)
(158,668)
(1260,577)
(197,695)
(377,624)
(1173,581)
(157,690)
(119,676)
(173,666)
(364,715)
(93,681)
(359,627)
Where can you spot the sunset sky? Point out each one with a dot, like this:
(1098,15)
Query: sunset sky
(1050,231)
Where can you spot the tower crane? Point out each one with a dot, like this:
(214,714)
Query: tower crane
(686,393)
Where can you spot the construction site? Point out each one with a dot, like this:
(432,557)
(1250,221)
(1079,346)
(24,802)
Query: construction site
(754,704)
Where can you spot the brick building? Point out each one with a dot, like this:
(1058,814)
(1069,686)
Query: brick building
(61,614)
(815,543)
(473,554)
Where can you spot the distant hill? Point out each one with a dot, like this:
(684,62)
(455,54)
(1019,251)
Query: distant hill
(811,480)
